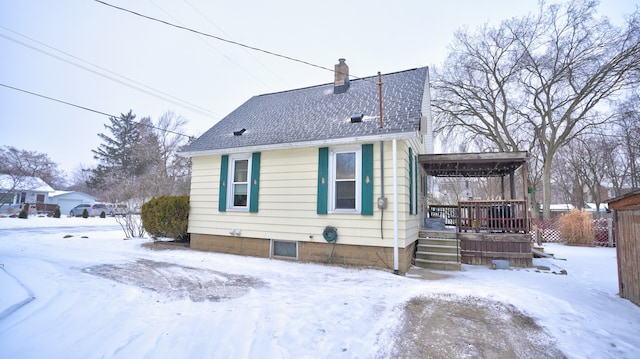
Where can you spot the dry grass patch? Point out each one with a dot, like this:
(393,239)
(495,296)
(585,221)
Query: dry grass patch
(576,228)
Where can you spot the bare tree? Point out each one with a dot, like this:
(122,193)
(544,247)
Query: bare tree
(627,157)
(535,83)
(23,163)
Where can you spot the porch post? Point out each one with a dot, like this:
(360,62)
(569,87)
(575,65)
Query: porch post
(512,184)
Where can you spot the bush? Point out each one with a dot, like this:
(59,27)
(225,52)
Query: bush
(576,228)
(56,213)
(166,217)
(85,213)
(24,213)
(103,215)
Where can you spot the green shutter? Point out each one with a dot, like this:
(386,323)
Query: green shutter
(367,180)
(323,179)
(222,198)
(255,182)
(415,182)
(411,184)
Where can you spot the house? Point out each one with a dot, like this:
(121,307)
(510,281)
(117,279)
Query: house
(626,211)
(327,173)
(69,199)
(16,191)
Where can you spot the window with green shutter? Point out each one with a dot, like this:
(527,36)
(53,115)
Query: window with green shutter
(345,180)
(239,182)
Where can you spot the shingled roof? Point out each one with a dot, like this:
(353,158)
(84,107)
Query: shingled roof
(315,115)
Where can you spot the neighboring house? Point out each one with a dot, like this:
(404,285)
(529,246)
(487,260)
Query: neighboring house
(69,199)
(18,190)
(315,174)
(626,210)
(558,209)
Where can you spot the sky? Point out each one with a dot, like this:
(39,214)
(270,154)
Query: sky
(109,61)
(72,288)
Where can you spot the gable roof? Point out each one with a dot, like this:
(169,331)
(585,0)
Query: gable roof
(315,115)
(23,183)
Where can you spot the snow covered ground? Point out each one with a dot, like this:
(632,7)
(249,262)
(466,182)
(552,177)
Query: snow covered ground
(95,295)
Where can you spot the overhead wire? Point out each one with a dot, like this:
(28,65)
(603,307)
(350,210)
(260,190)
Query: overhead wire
(211,46)
(88,109)
(159,94)
(225,40)
(370,79)
(229,36)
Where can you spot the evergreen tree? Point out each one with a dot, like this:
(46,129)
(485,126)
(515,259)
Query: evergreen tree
(119,154)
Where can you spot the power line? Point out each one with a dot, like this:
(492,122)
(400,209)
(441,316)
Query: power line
(160,95)
(216,37)
(211,46)
(87,109)
(231,41)
(229,36)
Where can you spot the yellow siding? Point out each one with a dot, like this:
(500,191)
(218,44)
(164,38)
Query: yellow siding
(287,202)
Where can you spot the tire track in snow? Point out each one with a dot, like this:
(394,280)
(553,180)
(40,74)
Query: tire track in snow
(13,308)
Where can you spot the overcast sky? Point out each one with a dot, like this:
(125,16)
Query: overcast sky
(92,55)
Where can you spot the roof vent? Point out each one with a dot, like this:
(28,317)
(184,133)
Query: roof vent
(239,132)
(341,77)
(357,118)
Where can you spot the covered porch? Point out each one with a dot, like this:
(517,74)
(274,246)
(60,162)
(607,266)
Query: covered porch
(486,230)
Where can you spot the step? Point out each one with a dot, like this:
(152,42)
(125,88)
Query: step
(437,248)
(437,242)
(438,256)
(437,234)
(438,265)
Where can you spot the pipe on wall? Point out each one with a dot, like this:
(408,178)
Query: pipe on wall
(395,207)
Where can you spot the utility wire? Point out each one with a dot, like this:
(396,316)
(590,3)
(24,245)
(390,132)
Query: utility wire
(229,36)
(160,95)
(88,109)
(219,38)
(211,46)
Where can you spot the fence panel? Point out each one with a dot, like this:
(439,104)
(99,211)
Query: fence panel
(549,231)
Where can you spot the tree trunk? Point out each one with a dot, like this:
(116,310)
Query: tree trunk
(546,188)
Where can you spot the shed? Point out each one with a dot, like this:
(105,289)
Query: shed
(627,228)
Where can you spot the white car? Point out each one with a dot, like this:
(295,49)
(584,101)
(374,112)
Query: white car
(92,209)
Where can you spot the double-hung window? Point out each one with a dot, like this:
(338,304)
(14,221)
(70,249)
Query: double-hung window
(239,182)
(345,180)
(345,177)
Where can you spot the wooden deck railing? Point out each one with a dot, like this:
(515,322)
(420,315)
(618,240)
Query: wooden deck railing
(509,216)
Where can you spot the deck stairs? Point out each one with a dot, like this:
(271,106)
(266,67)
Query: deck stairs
(438,250)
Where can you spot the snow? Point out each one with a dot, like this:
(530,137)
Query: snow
(95,295)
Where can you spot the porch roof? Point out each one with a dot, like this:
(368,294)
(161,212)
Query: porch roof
(490,164)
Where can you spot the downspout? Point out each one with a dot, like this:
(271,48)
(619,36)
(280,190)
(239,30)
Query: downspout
(382,201)
(395,208)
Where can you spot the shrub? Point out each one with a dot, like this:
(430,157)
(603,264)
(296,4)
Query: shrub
(103,215)
(85,213)
(56,213)
(166,217)
(576,228)
(24,213)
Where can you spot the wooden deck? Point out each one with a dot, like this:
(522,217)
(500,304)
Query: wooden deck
(488,230)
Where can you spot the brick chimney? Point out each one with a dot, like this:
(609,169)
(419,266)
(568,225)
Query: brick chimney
(341,77)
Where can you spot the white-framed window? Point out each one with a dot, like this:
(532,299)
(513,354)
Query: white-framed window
(345,173)
(239,182)
(285,249)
